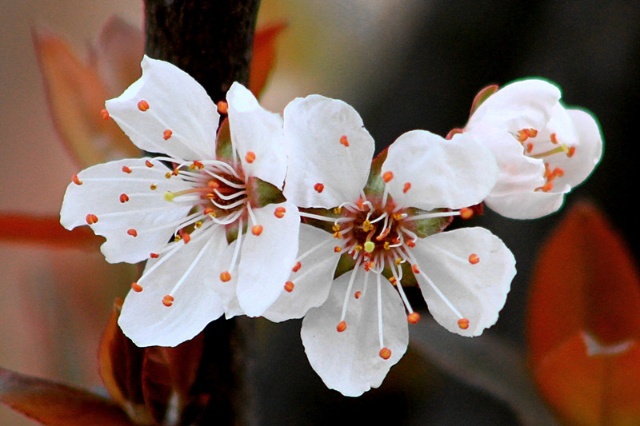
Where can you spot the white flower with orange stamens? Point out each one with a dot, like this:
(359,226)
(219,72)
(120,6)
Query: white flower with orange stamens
(384,222)
(543,149)
(207,216)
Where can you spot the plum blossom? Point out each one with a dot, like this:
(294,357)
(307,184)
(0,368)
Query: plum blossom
(383,220)
(543,148)
(206,214)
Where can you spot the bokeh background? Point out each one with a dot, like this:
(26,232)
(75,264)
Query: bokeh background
(403,64)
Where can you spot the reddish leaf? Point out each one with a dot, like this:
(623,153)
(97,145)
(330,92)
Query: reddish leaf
(583,324)
(76,95)
(120,367)
(24,228)
(57,404)
(264,56)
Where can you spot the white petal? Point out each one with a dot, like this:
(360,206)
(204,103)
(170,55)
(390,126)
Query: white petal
(518,172)
(266,260)
(257,137)
(146,210)
(439,173)
(527,205)
(177,103)
(312,281)
(148,322)
(588,149)
(349,362)
(323,172)
(520,105)
(478,291)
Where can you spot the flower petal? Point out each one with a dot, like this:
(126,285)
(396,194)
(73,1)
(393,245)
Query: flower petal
(167,111)
(257,137)
(119,197)
(312,280)
(266,259)
(477,290)
(440,173)
(526,205)
(588,152)
(520,105)
(191,267)
(329,152)
(349,361)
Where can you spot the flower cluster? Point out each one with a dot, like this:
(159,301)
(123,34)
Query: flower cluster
(240,211)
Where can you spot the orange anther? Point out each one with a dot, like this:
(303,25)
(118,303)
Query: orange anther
(75,179)
(207,211)
(153,187)
(342,326)
(554,138)
(223,107)
(413,318)
(196,165)
(547,187)
(411,243)
(385,353)
(250,157)
(344,140)
(463,323)
(124,198)
(571,152)
(136,287)
(256,230)
(132,232)
(186,237)
(91,219)
(167,134)
(529,147)
(407,186)
(415,268)
(337,249)
(357,294)
(466,213)
(126,169)
(387,176)
(167,300)
(296,267)
(143,105)
(105,114)
(533,133)
(154,255)
(148,163)
(288,286)
(225,276)
(318,187)
(473,258)
(279,212)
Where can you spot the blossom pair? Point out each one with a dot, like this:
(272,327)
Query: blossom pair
(217,218)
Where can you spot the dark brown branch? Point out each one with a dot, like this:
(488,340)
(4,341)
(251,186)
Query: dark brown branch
(212,41)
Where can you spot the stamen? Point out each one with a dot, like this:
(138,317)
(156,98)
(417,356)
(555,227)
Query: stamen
(342,326)
(143,105)
(126,169)
(319,187)
(105,114)
(75,179)
(473,259)
(136,287)
(132,232)
(167,134)
(466,213)
(344,140)
(168,300)
(406,187)
(385,353)
(349,286)
(296,267)
(279,212)
(387,176)
(413,318)
(223,107)
(463,323)
(148,163)
(250,157)
(91,219)
(257,230)
(225,276)
(288,286)
(380,325)
(124,198)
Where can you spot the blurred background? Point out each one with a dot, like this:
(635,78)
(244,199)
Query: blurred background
(403,64)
